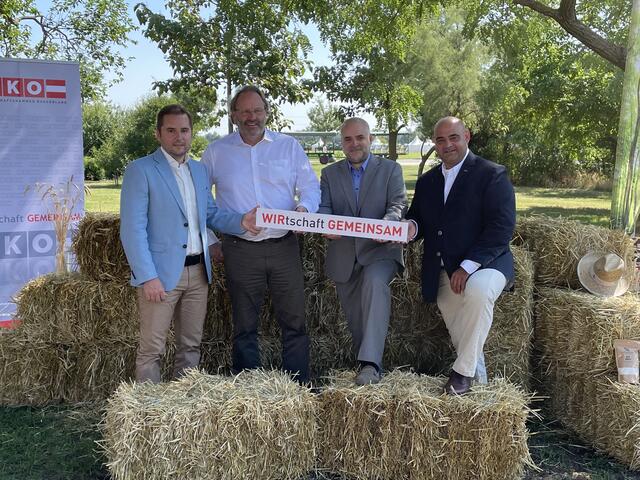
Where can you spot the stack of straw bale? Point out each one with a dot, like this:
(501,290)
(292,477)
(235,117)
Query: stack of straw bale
(558,244)
(86,325)
(574,334)
(258,425)
(404,427)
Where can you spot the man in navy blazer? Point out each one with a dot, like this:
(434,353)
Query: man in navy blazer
(464,209)
(165,208)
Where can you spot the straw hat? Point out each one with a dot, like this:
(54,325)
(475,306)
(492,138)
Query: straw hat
(603,274)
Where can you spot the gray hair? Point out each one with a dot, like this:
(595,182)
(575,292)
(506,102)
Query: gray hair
(247,88)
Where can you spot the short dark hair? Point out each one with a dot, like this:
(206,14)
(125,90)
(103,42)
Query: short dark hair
(173,109)
(244,89)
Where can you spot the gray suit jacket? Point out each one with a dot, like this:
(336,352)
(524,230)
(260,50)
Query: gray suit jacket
(382,196)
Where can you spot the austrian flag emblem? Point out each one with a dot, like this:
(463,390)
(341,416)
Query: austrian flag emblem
(33,87)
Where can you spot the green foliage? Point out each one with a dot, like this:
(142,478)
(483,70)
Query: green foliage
(99,121)
(91,32)
(132,135)
(324,117)
(548,105)
(447,67)
(92,169)
(226,43)
(369,44)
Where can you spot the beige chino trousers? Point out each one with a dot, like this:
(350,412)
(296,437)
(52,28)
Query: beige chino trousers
(469,315)
(186,305)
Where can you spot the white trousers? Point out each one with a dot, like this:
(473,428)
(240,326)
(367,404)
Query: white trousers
(468,317)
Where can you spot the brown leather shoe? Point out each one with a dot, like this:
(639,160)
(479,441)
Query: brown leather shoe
(457,384)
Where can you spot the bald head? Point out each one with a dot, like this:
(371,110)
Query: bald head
(451,139)
(356,140)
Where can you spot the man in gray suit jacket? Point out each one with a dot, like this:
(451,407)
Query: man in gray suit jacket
(364,186)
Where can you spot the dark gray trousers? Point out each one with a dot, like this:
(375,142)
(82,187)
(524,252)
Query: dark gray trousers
(250,268)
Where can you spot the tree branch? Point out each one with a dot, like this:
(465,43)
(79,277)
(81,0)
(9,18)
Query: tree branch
(566,17)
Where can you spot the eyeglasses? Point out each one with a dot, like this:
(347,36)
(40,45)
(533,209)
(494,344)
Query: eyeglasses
(255,111)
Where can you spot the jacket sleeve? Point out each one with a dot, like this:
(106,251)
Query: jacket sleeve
(414,210)
(326,206)
(499,206)
(134,202)
(396,195)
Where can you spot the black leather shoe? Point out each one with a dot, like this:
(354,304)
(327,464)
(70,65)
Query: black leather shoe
(457,384)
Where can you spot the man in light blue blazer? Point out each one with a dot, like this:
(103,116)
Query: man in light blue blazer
(165,208)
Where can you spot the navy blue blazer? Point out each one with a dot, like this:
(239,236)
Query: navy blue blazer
(476,223)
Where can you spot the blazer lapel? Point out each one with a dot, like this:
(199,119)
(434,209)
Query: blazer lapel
(169,178)
(463,176)
(347,185)
(367,179)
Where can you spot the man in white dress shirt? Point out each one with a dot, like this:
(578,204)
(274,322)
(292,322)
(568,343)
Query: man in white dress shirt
(256,166)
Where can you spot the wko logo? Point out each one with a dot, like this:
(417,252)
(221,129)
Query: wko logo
(32,87)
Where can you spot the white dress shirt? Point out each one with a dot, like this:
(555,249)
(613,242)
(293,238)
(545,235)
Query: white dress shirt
(274,173)
(187,192)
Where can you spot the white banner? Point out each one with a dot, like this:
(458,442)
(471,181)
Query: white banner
(40,142)
(333,224)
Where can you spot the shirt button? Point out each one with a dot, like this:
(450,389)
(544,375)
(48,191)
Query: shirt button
(186,224)
(437,254)
(185,246)
(439,232)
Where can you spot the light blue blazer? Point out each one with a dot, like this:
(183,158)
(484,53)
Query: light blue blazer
(153,219)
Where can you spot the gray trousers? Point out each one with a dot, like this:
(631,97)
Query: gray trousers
(366,302)
(250,268)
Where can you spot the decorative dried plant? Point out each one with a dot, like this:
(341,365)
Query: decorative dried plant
(61,202)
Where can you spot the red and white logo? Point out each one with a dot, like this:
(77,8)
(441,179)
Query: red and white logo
(32,87)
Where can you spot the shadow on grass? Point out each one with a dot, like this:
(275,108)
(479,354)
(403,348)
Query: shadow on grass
(563,193)
(590,216)
(104,186)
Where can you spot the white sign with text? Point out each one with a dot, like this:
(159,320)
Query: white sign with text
(333,224)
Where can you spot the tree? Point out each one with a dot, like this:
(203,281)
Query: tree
(99,122)
(447,68)
(324,117)
(549,105)
(90,32)
(625,202)
(612,17)
(228,43)
(369,42)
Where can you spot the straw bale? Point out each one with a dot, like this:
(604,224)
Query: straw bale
(576,330)
(575,333)
(30,373)
(404,427)
(558,244)
(98,250)
(69,308)
(257,425)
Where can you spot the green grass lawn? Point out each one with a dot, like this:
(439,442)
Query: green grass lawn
(585,206)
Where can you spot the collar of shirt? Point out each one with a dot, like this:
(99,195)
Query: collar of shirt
(267,137)
(362,167)
(455,169)
(173,163)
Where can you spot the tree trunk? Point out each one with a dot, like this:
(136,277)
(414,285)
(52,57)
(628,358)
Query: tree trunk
(393,145)
(626,180)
